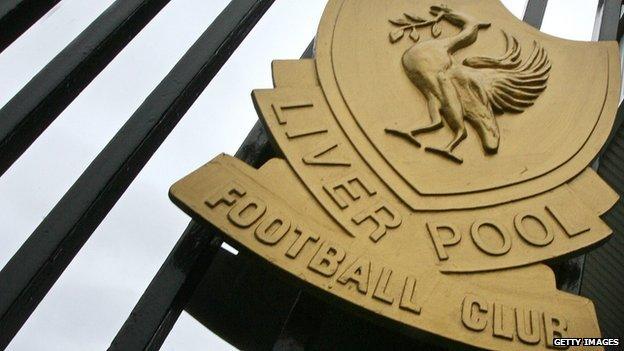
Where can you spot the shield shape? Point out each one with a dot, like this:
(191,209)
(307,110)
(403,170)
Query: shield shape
(461,105)
(482,125)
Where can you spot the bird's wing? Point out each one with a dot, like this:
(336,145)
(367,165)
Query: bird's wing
(510,83)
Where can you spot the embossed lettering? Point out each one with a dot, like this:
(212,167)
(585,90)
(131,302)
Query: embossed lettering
(278,109)
(346,184)
(476,316)
(555,327)
(528,328)
(225,195)
(571,225)
(247,211)
(281,119)
(359,273)
(439,242)
(541,239)
(408,302)
(391,219)
(503,321)
(327,259)
(318,157)
(301,133)
(272,229)
(475,232)
(304,236)
(474,319)
(382,285)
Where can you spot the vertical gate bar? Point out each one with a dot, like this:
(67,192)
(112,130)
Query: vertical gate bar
(160,306)
(608,25)
(620,31)
(164,299)
(40,261)
(236,287)
(570,273)
(47,94)
(607,19)
(603,278)
(534,12)
(603,271)
(16,16)
(162,302)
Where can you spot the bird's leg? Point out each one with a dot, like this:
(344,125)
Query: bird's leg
(448,150)
(453,113)
(459,137)
(433,105)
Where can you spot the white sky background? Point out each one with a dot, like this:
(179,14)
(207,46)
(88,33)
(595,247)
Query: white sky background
(94,296)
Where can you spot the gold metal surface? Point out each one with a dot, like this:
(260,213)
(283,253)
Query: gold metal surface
(473,90)
(373,207)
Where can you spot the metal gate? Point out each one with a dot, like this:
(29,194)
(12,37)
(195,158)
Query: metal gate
(196,271)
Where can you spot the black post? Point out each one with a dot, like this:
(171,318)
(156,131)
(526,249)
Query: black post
(603,277)
(609,26)
(236,289)
(36,266)
(603,270)
(16,16)
(165,298)
(570,273)
(173,285)
(607,19)
(620,29)
(38,103)
(147,327)
(534,12)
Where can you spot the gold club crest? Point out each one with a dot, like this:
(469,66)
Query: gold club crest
(432,156)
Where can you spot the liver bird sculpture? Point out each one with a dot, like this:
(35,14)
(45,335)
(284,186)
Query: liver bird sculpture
(477,89)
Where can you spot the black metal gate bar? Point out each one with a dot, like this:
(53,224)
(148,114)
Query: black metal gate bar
(603,279)
(608,18)
(570,273)
(36,266)
(234,292)
(147,327)
(16,16)
(165,297)
(603,271)
(620,29)
(38,103)
(534,12)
